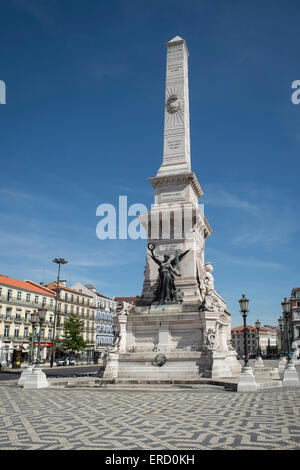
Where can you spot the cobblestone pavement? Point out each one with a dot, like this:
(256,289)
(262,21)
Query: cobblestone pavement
(210,418)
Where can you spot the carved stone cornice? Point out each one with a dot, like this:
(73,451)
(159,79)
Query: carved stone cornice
(181,178)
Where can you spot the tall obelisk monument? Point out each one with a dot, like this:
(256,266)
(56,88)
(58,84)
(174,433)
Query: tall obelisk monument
(175,223)
(176,156)
(180,327)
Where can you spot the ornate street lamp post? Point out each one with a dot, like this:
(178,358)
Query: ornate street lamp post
(281,323)
(246,382)
(34,319)
(58,261)
(286,309)
(290,376)
(41,318)
(258,361)
(257,326)
(244,309)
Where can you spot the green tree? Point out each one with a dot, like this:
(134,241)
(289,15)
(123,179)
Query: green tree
(72,339)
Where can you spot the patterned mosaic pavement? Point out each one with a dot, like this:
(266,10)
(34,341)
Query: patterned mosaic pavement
(113,420)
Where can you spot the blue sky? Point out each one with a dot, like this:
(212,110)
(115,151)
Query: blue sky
(83,124)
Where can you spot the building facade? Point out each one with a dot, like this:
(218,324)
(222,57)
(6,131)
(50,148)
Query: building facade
(295,320)
(268,340)
(18,300)
(106,309)
(71,301)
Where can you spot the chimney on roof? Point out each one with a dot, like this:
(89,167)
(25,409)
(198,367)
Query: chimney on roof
(64,283)
(42,284)
(91,287)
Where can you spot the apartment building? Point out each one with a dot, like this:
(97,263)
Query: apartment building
(268,339)
(105,314)
(71,301)
(18,300)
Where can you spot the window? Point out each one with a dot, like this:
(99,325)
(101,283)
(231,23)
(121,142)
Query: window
(44,301)
(72,308)
(50,334)
(27,298)
(77,300)
(82,300)
(51,320)
(77,310)
(58,307)
(17,331)
(6,331)
(27,315)
(8,313)
(18,314)
(0,291)
(36,299)
(72,298)
(66,296)
(9,294)
(66,308)
(19,296)
(51,303)
(26,330)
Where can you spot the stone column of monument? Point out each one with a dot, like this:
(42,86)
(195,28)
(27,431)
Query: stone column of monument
(188,335)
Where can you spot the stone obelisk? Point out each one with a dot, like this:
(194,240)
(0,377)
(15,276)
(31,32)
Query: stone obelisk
(176,156)
(187,335)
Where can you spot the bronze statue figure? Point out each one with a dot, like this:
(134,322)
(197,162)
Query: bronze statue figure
(166,290)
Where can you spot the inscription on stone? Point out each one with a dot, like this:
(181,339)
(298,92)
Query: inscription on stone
(174,196)
(174,144)
(172,49)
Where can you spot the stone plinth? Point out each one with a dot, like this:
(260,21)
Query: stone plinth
(281,366)
(290,376)
(258,363)
(179,335)
(27,371)
(246,381)
(36,379)
(111,369)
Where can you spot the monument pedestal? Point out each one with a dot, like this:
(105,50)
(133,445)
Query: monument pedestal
(178,336)
(281,366)
(111,369)
(258,363)
(246,381)
(26,372)
(290,376)
(36,379)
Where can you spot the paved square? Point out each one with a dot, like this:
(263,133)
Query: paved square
(187,420)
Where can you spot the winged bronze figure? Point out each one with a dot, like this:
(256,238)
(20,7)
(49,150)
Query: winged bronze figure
(166,290)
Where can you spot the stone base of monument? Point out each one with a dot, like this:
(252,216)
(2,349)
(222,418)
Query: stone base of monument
(27,371)
(180,365)
(112,366)
(36,379)
(290,376)
(281,366)
(258,364)
(266,373)
(172,341)
(247,381)
(167,342)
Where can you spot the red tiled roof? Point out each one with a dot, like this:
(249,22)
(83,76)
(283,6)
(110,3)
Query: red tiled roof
(251,328)
(62,287)
(26,285)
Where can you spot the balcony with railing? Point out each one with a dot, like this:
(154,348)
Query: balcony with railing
(17,301)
